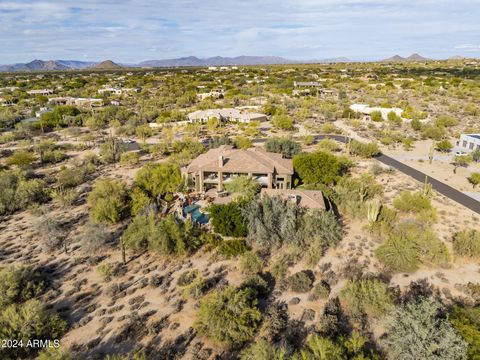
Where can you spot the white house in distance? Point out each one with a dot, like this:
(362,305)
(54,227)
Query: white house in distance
(44,92)
(226,114)
(80,102)
(469,142)
(215,93)
(367,110)
(116,91)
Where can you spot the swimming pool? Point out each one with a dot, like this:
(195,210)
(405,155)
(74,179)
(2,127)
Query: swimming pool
(197,215)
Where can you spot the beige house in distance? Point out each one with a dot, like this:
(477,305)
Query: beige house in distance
(219,166)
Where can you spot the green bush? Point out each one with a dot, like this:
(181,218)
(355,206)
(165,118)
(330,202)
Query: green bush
(228,219)
(466,322)
(321,290)
(444,146)
(158,179)
(108,201)
(283,122)
(167,236)
(243,186)
(467,243)
(263,350)
(411,244)
(130,158)
(18,192)
(419,330)
(319,168)
(368,296)
(366,150)
(232,248)
(285,146)
(26,322)
(301,282)
(230,316)
(251,263)
(415,203)
(19,284)
(21,158)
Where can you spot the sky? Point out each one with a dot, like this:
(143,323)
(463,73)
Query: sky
(129,31)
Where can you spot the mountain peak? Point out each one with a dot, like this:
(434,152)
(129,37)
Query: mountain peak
(106,64)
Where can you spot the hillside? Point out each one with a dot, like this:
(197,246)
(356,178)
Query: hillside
(107,64)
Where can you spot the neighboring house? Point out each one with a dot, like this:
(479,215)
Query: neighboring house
(117,91)
(220,165)
(5,102)
(226,114)
(310,199)
(80,102)
(367,110)
(44,92)
(310,88)
(469,142)
(215,93)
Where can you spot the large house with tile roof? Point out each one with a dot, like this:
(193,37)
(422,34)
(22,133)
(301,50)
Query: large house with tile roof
(220,165)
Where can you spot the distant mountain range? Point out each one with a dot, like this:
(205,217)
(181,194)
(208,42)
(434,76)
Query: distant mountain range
(413,57)
(59,65)
(40,65)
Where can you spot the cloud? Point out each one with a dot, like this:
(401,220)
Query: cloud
(134,30)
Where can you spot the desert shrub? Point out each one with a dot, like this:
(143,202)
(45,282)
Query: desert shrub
(409,245)
(74,176)
(50,233)
(251,263)
(352,193)
(230,316)
(108,201)
(140,202)
(26,322)
(130,158)
(271,221)
(18,192)
(94,238)
(419,330)
(474,179)
(19,284)
(415,203)
(187,277)
(444,146)
(158,179)
(167,236)
(64,197)
(467,243)
(320,348)
(21,158)
(53,353)
(232,248)
(287,147)
(242,142)
(228,219)
(301,282)
(476,155)
(112,149)
(53,156)
(328,145)
(367,296)
(243,186)
(263,350)
(366,150)
(446,121)
(318,231)
(376,116)
(432,132)
(105,271)
(466,322)
(283,122)
(321,290)
(319,168)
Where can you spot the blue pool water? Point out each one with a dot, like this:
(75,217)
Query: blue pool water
(197,215)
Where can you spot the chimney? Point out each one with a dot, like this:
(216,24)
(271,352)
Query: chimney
(220,161)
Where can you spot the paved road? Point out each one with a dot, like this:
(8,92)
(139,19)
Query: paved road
(439,186)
